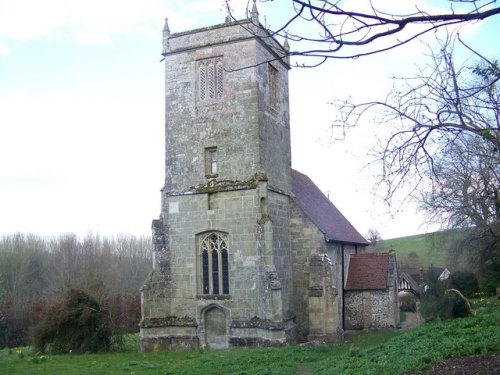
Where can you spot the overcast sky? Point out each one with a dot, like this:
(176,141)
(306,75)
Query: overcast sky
(82,115)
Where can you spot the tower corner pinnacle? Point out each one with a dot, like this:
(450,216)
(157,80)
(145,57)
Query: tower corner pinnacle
(166,36)
(255,12)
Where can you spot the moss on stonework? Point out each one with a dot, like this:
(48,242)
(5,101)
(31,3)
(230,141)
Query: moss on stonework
(257,322)
(218,297)
(176,321)
(254,341)
(214,185)
(264,219)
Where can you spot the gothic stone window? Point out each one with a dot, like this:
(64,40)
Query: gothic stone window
(214,266)
(210,80)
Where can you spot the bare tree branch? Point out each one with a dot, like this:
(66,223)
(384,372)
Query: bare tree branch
(430,112)
(334,30)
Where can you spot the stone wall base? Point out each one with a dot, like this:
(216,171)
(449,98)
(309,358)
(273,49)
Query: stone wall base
(166,338)
(168,343)
(254,342)
(163,343)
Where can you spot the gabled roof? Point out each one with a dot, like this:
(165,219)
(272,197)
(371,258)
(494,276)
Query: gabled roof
(422,276)
(368,271)
(404,277)
(322,212)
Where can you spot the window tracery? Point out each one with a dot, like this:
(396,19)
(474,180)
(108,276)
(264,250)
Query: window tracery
(214,264)
(210,80)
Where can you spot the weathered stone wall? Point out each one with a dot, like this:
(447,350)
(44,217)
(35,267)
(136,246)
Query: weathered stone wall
(323,307)
(246,199)
(253,265)
(251,135)
(309,242)
(369,309)
(230,124)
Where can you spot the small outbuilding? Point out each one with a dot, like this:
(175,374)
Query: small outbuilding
(371,292)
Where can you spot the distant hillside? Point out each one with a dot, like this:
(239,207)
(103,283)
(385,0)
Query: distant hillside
(423,250)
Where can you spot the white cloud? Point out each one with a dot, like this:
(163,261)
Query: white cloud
(66,169)
(90,21)
(97,21)
(4,48)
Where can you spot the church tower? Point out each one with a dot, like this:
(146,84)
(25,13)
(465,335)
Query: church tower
(222,273)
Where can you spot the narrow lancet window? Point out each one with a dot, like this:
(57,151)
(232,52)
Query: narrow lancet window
(211,81)
(273,86)
(215,271)
(203,81)
(225,272)
(206,278)
(220,69)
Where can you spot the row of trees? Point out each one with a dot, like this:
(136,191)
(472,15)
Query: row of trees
(36,272)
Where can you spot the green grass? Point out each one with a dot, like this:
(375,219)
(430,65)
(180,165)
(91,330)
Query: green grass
(402,316)
(430,248)
(384,352)
(424,346)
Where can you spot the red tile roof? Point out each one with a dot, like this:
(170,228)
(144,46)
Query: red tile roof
(368,271)
(322,211)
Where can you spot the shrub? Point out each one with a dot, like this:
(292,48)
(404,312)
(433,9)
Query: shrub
(491,274)
(125,311)
(17,317)
(438,301)
(76,324)
(465,281)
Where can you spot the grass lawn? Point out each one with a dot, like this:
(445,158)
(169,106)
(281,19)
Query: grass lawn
(430,248)
(384,352)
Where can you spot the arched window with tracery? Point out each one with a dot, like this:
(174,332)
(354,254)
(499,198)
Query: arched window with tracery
(214,263)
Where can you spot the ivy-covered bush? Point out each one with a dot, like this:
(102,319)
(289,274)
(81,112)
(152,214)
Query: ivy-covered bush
(76,324)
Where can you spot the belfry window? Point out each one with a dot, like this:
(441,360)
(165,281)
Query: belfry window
(210,80)
(214,264)
(273,86)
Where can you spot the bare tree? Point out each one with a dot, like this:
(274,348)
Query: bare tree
(464,192)
(344,29)
(36,271)
(373,236)
(464,195)
(426,114)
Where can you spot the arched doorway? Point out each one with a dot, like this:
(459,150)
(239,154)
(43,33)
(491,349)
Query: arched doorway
(215,328)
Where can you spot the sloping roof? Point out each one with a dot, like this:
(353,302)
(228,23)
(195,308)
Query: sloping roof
(368,271)
(322,212)
(422,276)
(409,279)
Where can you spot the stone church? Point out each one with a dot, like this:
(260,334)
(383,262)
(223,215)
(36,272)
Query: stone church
(247,251)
